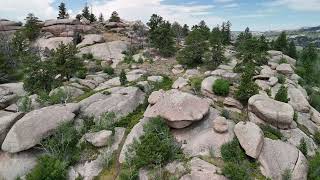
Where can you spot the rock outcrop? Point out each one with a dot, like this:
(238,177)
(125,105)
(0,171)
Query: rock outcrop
(179,109)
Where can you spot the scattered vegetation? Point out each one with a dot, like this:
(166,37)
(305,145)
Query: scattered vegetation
(109,70)
(123,78)
(317,138)
(303,147)
(196,84)
(281,79)
(271,132)
(314,166)
(221,87)
(282,94)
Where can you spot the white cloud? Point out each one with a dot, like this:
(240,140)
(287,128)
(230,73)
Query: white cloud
(223,1)
(232,5)
(18,9)
(300,5)
(142,10)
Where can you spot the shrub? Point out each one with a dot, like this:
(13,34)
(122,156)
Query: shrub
(282,94)
(235,172)
(314,168)
(87,56)
(196,84)
(283,61)
(49,168)
(24,104)
(317,137)
(140,60)
(271,132)
(156,146)
(123,78)
(129,174)
(303,147)
(287,175)
(62,144)
(295,116)
(106,122)
(225,113)
(58,97)
(315,101)
(81,74)
(221,87)
(166,84)
(109,70)
(232,152)
(128,58)
(281,79)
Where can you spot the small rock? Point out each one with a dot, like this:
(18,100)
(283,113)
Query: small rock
(99,139)
(157,79)
(180,83)
(220,125)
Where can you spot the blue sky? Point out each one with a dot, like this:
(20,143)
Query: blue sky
(259,15)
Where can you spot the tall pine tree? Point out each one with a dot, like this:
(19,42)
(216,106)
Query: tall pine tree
(101,18)
(63,14)
(86,13)
(292,50)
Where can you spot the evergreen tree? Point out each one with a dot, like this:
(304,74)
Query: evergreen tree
(247,86)
(216,36)
(114,17)
(281,43)
(282,94)
(194,52)
(92,18)
(63,12)
(203,28)
(292,51)
(178,32)
(308,60)
(185,30)
(263,44)
(226,32)
(161,35)
(32,28)
(101,18)
(86,13)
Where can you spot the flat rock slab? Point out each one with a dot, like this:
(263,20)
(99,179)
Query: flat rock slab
(179,109)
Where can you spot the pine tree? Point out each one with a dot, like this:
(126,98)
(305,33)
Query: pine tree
(292,51)
(101,18)
(185,30)
(178,32)
(281,44)
(31,28)
(63,12)
(282,94)
(92,18)
(114,17)
(86,13)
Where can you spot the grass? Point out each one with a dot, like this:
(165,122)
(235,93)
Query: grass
(271,132)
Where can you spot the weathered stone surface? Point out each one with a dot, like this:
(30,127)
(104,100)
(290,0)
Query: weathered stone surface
(264,85)
(36,125)
(65,27)
(6,123)
(179,109)
(7,97)
(99,139)
(276,113)
(52,43)
(155,78)
(135,134)
(276,56)
(305,120)
(200,138)
(267,71)
(230,102)
(277,156)
(191,73)
(17,165)
(111,51)
(285,69)
(250,137)
(220,125)
(298,100)
(202,170)
(207,83)
(91,39)
(315,116)
(294,137)
(69,91)
(180,83)
(177,69)
(108,84)
(121,101)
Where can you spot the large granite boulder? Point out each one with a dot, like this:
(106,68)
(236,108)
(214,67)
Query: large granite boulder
(274,112)
(121,101)
(250,137)
(207,83)
(285,69)
(180,83)
(99,139)
(13,166)
(297,100)
(37,125)
(276,56)
(202,170)
(7,97)
(65,27)
(276,157)
(52,43)
(91,39)
(69,91)
(200,138)
(109,51)
(315,116)
(179,109)
(6,123)
(9,27)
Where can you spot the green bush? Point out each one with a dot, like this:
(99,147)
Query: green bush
(123,78)
(317,137)
(109,70)
(221,87)
(166,84)
(271,132)
(81,74)
(234,171)
(129,174)
(156,146)
(315,101)
(281,79)
(128,58)
(232,152)
(314,168)
(87,56)
(287,175)
(24,104)
(303,147)
(48,168)
(283,61)
(282,94)
(62,144)
(196,84)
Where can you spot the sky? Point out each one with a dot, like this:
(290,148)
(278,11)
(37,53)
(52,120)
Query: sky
(258,15)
